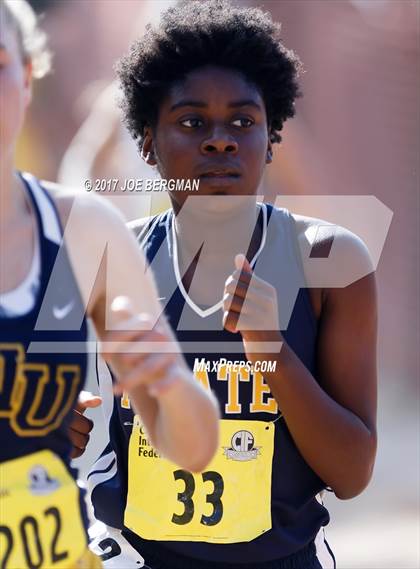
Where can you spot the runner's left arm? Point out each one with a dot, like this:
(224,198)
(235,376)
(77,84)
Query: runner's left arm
(332,419)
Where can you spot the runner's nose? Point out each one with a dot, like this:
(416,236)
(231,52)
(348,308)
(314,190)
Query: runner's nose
(219,141)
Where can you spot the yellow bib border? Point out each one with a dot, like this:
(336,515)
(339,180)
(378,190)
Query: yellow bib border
(229,502)
(40,519)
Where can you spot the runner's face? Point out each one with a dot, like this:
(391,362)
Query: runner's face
(212,126)
(15,88)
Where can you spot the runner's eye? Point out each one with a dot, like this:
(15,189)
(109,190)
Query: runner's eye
(243,122)
(191,123)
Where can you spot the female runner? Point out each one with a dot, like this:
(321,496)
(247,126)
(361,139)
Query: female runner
(49,285)
(276,313)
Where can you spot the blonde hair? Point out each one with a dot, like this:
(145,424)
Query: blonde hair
(32,40)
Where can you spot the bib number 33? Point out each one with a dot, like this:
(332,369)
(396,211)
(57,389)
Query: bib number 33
(228,503)
(186,498)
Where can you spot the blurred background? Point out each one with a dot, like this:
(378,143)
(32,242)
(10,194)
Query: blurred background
(356,133)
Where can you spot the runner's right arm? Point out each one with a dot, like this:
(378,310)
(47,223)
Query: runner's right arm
(175,409)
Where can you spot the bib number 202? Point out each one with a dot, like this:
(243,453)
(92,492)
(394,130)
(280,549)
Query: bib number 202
(31,541)
(186,498)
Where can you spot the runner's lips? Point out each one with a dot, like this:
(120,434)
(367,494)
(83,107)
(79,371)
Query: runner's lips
(220,173)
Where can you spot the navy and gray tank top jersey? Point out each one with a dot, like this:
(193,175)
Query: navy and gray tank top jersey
(297,514)
(39,383)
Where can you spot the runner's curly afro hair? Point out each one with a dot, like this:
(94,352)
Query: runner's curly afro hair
(195,33)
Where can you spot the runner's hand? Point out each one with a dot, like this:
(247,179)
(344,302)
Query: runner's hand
(250,307)
(80,425)
(140,351)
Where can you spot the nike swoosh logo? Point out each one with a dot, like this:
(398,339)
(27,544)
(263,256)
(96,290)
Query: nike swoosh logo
(61,312)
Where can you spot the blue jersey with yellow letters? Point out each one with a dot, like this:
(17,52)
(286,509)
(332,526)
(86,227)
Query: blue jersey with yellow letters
(39,384)
(270,468)
(43,364)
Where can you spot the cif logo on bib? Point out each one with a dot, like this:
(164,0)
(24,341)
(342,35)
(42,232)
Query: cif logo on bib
(242,447)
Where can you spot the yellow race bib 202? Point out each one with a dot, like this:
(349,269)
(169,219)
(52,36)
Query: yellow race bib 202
(40,521)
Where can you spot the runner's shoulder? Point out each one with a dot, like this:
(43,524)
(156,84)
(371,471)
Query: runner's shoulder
(324,239)
(86,207)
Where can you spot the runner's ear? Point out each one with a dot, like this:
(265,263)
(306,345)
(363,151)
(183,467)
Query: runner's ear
(147,148)
(269,155)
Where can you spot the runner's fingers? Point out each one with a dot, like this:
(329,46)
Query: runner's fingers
(121,345)
(230,320)
(249,314)
(243,274)
(123,316)
(249,284)
(156,365)
(233,303)
(252,322)
(241,262)
(125,361)
(87,400)
(124,355)
(76,452)
(152,369)
(125,330)
(237,287)
(236,320)
(80,423)
(240,276)
(79,440)
(262,294)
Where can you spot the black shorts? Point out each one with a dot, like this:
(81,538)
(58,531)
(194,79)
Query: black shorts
(158,557)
